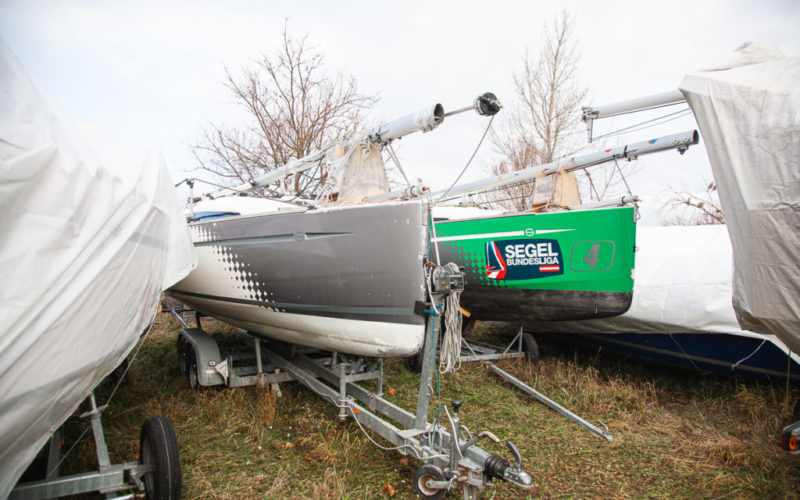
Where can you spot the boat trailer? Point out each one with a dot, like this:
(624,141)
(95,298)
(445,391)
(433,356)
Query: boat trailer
(523,345)
(451,456)
(156,475)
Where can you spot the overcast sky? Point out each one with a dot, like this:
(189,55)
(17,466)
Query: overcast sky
(143,76)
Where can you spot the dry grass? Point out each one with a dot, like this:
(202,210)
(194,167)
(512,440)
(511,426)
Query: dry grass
(675,435)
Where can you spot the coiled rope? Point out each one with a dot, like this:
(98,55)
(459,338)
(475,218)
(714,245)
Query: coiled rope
(450,352)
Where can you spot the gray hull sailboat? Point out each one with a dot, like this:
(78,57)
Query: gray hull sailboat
(343,277)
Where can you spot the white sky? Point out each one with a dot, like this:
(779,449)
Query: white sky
(145,75)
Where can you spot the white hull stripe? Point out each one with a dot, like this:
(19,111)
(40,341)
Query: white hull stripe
(497,235)
(388,311)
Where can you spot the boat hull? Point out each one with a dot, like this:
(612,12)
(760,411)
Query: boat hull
(547,266)
(342,279)
(752,357)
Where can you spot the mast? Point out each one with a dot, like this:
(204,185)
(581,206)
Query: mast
(638,104)
(425,120)
(681,142)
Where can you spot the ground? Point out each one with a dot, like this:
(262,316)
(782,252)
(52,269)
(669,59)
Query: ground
(676,434)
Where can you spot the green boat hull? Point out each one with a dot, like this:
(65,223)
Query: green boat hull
(547,266)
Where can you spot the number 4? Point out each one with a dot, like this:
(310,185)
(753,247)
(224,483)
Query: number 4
(591,256)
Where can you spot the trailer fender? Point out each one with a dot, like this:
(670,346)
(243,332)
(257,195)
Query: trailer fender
(211,367)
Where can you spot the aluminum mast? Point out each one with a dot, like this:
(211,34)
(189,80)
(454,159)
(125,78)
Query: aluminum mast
(681,142)
(425,120)
(640,103)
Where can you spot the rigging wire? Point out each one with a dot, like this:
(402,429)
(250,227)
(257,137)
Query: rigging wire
(485,132)
(686,111)
(624,180)
(639,126)
(393,156)
(110,397)
(591,184)
(635,127)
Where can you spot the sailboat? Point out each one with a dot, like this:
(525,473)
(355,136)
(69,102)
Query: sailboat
(345,276)
(568,264)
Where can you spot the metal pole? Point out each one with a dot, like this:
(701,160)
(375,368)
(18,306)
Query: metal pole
(603,433)
(103,460)
(428,366)
(425,120)
(639,104)
(681,142)
(631,105)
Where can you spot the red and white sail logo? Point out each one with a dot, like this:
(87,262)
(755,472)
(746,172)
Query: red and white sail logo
(495,265)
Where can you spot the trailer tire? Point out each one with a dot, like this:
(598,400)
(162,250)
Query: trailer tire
(414,363)
(158,447)
(191,373)
(183,366)
(423,475)
(531,348)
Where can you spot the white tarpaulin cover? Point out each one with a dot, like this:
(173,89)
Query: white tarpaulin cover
(682,285)
(748,110)
(85,251)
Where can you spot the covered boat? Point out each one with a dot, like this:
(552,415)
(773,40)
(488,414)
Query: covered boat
(87,249)
(681,312)
(748,107)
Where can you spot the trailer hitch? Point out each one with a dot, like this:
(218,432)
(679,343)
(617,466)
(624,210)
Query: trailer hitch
(495,466)
(498,467)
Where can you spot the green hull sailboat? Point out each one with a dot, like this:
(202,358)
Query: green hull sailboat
(544,266)
(561,265)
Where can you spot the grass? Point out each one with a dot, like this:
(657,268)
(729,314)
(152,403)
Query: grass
(676,435)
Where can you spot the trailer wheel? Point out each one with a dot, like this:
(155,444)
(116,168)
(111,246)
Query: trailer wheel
(182,364)
(414,363)
(531,348)
(429,473)
(158,447)
(191,364)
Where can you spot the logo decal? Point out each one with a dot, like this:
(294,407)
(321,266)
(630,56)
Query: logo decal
(523,259)
(495,265)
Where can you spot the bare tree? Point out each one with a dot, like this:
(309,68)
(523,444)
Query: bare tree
(542,121)
(293,109)
(696,210)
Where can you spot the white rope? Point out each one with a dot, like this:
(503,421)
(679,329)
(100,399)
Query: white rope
(735,365)
(450,351)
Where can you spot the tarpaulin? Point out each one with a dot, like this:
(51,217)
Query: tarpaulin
(86,248)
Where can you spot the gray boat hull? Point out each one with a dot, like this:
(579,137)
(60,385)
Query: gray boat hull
(342,279)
